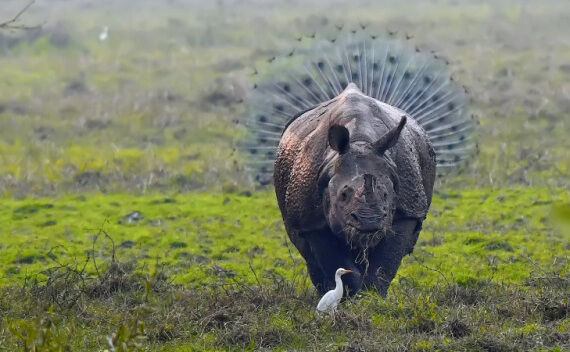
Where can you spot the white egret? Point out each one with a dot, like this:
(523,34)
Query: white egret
(331,299)
(104,34)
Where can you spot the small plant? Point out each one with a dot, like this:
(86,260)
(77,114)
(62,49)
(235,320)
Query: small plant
(129,337)
(41,334)
(425,317)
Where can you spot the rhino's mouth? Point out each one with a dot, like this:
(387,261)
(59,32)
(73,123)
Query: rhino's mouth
(357,238)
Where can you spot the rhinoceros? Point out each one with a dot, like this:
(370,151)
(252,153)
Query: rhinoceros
(354,179)
(351,141)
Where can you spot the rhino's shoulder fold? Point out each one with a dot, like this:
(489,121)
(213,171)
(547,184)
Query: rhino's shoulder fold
(300,152)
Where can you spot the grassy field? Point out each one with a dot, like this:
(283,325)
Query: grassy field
(129,223)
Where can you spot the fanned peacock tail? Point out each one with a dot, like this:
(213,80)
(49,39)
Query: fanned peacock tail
(385,68)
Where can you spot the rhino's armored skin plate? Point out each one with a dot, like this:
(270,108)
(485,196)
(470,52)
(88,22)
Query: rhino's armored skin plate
(354,189)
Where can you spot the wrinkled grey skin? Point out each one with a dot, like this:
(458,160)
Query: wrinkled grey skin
(354,180)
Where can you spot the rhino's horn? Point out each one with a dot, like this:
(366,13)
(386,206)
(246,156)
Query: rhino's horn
(390,138)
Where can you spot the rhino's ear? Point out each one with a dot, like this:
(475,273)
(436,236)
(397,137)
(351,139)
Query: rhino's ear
(339,138)
(390,138)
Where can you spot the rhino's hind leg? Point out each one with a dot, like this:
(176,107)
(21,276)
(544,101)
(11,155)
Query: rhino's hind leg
(386,257)
(328,253)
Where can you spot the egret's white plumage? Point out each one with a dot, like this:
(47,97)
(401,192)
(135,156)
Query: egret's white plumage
(331,299)
(104,34)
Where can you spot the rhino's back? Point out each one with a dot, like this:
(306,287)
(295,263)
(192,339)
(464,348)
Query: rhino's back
(304,150)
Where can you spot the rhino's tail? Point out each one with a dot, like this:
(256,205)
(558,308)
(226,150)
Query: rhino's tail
(388,69)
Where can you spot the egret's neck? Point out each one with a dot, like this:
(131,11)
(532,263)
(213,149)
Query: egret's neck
(338,281)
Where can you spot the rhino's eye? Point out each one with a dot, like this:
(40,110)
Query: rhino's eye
(345,194)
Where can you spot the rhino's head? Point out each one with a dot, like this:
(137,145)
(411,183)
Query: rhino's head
(360,187)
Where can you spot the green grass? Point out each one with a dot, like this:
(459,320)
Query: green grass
(180,232)
(479,233)
(216,271)
(149,122)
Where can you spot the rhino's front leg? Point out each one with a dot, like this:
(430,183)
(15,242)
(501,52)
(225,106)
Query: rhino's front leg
(385,259)
(328,253)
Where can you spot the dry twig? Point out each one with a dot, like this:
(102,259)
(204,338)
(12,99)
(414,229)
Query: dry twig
(11,24)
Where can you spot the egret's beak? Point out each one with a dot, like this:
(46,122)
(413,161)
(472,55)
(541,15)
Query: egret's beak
(348,272)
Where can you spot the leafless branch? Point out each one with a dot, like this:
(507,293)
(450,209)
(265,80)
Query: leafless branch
(11,24)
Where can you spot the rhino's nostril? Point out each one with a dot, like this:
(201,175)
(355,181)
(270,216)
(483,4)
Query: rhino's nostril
(354,217)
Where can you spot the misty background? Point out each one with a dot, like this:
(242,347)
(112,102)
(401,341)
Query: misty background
(159,103)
